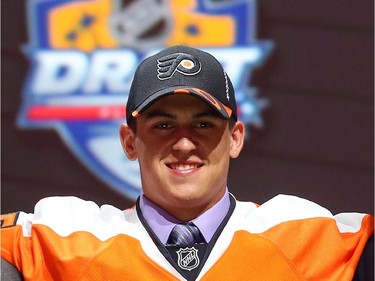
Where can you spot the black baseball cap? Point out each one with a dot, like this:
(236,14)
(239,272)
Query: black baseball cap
(181,70)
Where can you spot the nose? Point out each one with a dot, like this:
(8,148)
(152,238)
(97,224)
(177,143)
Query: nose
(184,145)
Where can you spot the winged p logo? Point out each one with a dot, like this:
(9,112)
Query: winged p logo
(180,62)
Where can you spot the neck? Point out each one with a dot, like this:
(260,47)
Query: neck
(187,214)
(188,210)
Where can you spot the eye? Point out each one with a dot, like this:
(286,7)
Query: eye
(203,125)
(163,125)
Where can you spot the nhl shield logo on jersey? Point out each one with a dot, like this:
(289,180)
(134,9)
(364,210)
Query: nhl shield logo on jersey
(188,258)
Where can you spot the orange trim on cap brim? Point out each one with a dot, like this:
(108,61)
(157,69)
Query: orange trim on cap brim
(135,114)
(228,110)
(181,91)
(197,90)
(212,100)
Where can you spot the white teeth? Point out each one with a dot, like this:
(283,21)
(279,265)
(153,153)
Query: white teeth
(184,167)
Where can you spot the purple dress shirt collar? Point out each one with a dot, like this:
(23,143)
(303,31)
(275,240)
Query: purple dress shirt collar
(161,222)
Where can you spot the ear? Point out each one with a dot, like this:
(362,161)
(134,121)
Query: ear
(127,138)
(238,136)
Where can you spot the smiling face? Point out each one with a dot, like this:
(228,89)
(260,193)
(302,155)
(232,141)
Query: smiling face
(184,150)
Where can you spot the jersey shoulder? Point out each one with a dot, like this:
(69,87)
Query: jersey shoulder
(288,208)
(68,214)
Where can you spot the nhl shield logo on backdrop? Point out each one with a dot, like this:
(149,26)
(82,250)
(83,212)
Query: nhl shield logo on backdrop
(187,258)
(83,54)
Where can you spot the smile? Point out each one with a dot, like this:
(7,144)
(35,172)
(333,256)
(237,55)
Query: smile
(183,167)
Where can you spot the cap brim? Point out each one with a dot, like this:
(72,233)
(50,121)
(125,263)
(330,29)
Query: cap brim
(223,110)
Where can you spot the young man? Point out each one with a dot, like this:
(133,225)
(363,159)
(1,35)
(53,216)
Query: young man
(182,128)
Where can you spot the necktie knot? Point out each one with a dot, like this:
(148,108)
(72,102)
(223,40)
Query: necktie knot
(184,235)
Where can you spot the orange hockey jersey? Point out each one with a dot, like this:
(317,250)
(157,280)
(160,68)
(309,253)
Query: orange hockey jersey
(286,238)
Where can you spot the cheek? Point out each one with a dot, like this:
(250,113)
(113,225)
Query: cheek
(148,152)
(222,150)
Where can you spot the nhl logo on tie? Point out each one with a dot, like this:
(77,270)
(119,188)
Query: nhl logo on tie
(188,258)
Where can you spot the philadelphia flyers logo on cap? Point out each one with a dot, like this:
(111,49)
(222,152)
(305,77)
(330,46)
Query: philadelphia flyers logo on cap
(180,62)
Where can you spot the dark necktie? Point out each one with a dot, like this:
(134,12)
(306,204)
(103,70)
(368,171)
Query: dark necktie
(184,235)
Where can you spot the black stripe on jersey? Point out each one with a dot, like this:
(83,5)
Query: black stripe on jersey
(9,220)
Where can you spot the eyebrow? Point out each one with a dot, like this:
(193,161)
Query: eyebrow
(158,113)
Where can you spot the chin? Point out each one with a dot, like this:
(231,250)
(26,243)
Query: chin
(190,199)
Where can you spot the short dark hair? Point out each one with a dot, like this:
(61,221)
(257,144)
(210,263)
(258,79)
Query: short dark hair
(132,123)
